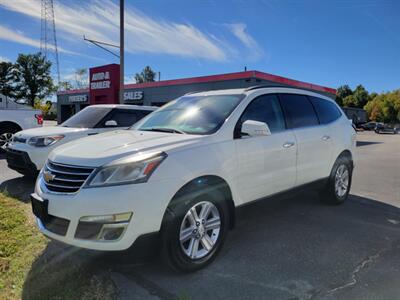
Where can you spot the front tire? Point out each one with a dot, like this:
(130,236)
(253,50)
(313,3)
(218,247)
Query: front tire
(194,231)
(338,186)
(6,135)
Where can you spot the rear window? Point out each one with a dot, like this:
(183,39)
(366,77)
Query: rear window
(87,118)
(326,110)
(124,117)
(298,111)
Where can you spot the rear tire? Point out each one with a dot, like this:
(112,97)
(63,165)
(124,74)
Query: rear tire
(338,186)
(194,231)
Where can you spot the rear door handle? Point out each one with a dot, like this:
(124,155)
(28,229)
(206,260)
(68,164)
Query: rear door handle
(288,145)
(326,138)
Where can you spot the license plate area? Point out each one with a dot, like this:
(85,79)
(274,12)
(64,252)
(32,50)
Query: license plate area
(40,208)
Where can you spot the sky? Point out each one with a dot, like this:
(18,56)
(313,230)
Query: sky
(330,43)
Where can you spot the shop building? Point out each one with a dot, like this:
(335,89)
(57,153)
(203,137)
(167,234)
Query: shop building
(104,88)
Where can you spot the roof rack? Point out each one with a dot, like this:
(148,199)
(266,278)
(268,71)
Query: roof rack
(255,87)
(193,92)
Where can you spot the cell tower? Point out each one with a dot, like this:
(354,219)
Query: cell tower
(48,38)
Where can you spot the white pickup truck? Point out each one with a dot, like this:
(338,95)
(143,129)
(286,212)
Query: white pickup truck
(16,117)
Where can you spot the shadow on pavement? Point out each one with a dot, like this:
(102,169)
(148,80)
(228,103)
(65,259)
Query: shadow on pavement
(293,248)
(20,187)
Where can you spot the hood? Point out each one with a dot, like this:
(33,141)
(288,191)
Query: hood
(48,130)
(95,151)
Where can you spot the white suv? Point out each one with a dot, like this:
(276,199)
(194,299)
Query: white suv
(28,150)
(179,174)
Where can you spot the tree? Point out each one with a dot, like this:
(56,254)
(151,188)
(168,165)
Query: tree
(81,78)
(361,96)
(384,107)
(32,78)
(6,79)
(147,75)
(44,107)
(349,101)
(357,98)
(343,92)
(65,86)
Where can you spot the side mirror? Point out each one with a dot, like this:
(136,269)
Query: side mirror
(255,128)
(111,123)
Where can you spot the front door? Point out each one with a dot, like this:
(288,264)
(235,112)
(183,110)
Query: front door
(266,164)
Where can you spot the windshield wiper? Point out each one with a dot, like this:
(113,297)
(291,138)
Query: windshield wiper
(163,129)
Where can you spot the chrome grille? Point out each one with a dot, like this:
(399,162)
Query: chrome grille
(62,178)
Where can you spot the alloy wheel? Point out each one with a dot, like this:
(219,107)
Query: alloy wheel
(200,230)
(5,140)
(341,180)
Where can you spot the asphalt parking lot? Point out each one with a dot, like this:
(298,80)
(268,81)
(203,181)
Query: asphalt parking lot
(288,248)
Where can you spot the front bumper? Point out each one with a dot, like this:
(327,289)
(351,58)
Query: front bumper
(20,162)
(146,203)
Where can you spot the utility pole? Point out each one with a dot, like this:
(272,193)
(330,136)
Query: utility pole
(121,51)
(48,37)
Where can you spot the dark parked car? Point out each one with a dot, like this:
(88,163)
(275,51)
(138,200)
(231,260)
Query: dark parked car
(386,128)
(370,125)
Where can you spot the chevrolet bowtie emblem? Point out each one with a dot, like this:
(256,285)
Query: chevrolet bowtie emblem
(48,176)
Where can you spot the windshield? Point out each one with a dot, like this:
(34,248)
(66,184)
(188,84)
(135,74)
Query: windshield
(191,114)
(87,118)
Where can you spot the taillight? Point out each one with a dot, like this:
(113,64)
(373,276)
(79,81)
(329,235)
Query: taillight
(39,119)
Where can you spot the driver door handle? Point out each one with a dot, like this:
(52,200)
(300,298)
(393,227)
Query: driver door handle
(326,138)
(288,145)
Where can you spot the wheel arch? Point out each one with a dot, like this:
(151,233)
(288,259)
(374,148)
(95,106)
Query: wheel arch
(347,155)
(5,124)
(198,186)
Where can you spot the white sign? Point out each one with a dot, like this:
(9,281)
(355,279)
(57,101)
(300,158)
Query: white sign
(78,98)
(101,76)
(136,95)
(102,81)
(100,85)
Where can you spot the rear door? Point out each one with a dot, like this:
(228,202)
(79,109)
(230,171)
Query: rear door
(266,164)
(314,147)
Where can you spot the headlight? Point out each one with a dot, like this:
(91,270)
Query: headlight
(126,171)
(44,141)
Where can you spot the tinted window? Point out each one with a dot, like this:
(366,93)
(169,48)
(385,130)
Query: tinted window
(265,109)
(87,118)
(298,110)
(326,110)
(125,118)
(191,114)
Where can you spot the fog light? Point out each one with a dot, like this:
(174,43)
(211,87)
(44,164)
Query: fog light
(110,232)
(116,218)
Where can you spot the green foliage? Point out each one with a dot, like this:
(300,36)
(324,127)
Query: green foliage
(358,98)
(343,92)
(6,79)
(384,107)
(32,78)
(20,244)
(44,107)
(147,75)
(31,267)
